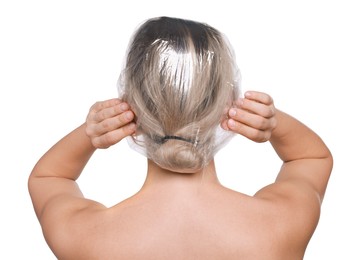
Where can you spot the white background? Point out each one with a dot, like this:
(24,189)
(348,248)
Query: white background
(58,57)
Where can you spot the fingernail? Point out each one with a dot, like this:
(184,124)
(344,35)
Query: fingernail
(232,112)
(128,115)
(231,123)
(132,126)
(239,102)
(124,106)
(247,94)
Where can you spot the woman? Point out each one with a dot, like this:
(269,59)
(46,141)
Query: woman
(178,105)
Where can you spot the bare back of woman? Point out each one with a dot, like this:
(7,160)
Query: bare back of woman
(182,211)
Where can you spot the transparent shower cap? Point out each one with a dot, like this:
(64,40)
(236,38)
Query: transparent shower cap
(180,78)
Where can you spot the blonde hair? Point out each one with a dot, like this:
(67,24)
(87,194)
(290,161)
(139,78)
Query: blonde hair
(179,79)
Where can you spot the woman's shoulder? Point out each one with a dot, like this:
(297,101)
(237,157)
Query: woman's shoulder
(218,216)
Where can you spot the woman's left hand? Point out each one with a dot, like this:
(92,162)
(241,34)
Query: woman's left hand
(253,117)
(108,122)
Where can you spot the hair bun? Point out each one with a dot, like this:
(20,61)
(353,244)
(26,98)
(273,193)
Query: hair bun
(179,156)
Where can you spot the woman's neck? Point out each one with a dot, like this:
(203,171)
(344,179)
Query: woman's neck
(162,178)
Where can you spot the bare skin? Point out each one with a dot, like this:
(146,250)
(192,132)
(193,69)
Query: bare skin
(184,216)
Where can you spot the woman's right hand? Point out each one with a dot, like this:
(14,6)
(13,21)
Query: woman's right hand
(108,122)
(253,117)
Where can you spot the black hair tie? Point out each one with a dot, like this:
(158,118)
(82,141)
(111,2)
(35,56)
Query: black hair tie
(169,137)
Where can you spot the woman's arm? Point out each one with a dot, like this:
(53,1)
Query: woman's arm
(294,199)
(55,173)
(52,182)
(306,159)
(307,162)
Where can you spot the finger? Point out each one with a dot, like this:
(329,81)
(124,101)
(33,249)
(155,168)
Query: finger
(257,108)
(252,120)
(224,124)
(98,106)
(109,112)
(247,131)
(113,137)
(259,97)
(113,123)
